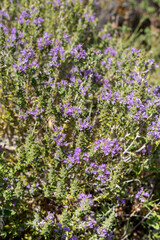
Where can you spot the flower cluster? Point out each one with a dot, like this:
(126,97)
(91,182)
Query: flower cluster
(59,136)
(85,199)
(33,113)
(141,194)
(108,146)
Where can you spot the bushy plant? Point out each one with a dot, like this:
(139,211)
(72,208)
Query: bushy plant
(86,123)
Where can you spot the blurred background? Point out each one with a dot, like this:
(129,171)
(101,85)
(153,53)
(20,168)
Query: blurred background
(139,23)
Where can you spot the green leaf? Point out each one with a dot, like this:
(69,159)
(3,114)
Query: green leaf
(155,226)
(5,212)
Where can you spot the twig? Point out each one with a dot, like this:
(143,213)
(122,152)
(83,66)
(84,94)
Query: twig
(126,236)
(131,144)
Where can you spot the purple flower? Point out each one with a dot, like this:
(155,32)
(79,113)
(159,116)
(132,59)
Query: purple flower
(20,116)
(102,232)
(63,236)
(69,111)
(58,136)
(5,14)
(14,204)
(138,194)
(156,91)
(154,129)
(57,3)
(96,77)
(106,94)
(28,186)
(146,194)
(73,238)
(78,52)
(66,229)
(109,36)
(134,50)
(89,17)
(85,157)
(123,201)
(50,216)
(91,223)
(103,36)
(103,62)
(103,178)
(83,197)
(84,124)
(41,223)
(13,30)
(59,225)
(67,37)
(111,51)
(108,146)
(76,156)
(21,35)
(1,149)
(38,21)
(96,2)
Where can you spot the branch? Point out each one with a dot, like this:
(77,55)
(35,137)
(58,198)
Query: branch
(126,236)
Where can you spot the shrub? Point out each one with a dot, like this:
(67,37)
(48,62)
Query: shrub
(86,124)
